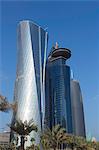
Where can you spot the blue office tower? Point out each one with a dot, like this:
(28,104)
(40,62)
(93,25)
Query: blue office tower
(57,91)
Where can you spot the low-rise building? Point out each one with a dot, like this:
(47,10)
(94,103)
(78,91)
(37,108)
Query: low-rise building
(4,138)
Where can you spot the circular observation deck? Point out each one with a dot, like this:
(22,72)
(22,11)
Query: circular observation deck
(61,52)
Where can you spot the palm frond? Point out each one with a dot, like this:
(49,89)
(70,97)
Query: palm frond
(23,128)
(30,122)
(56,128)
(2,98)
(4,107)
(31,128)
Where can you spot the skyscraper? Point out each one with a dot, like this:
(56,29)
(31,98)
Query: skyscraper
(57,91)
(29,84)
(77,109)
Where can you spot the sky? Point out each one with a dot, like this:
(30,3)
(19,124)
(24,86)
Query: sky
(74,25)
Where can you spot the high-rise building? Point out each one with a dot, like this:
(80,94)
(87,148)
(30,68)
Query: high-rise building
(30,76)
(77,109)
(57,91)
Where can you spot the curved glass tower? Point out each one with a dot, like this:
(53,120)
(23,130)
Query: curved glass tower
(58,101)
(77,109)
(30,77)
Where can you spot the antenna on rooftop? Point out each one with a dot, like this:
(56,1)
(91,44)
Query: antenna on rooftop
(56,46)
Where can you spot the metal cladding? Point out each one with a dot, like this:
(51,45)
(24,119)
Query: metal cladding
(29,84)
(57,92)
(77,109)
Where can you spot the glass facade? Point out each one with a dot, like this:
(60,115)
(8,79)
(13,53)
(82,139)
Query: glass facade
(77,109)
(57,94)
(29,84)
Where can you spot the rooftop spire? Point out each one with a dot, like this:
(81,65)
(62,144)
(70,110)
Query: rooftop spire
(56,46)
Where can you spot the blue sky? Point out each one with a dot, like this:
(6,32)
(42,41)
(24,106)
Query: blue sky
(73,24)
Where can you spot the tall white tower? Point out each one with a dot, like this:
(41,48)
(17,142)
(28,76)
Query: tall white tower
(30,77)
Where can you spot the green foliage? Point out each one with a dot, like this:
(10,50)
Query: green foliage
(33,147)
(79,144)
(53,138)
(23,129)
(5,106)
(10,146)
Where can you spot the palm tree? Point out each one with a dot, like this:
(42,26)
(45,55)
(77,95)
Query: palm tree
(97,145)
(45,142)
(33,146)
(23,129)
(53,138)
(10,146)
(69,141)
(80,143)
(92,145)
(5,106)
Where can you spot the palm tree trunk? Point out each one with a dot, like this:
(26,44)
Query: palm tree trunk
(22,142)
(57,146)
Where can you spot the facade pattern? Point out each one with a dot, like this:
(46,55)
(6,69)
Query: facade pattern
(77,109)
(29,84)
(58,101)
